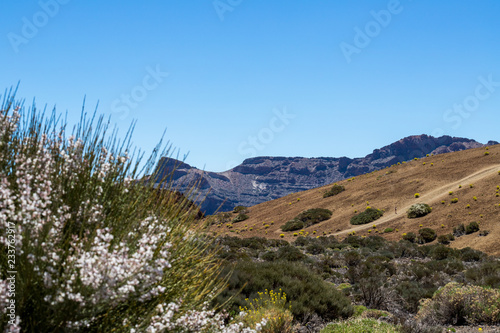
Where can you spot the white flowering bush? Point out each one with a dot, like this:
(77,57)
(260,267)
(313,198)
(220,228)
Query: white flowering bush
(88,245)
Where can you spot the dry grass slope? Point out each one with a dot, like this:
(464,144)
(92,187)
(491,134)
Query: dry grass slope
(472,175)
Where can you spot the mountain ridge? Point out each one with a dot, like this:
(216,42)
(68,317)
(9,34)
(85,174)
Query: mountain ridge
(264,178)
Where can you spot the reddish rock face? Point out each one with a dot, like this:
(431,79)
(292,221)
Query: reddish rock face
(261,179)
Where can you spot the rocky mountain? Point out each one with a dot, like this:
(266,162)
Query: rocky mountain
(261,179)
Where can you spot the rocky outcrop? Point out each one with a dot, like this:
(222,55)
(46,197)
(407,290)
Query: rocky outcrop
(261,179)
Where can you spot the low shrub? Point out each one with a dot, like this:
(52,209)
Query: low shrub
(307,218)
(427,235)
(388,230)
(270,308)
(460,304)
(410,236)
(308,292)
(293,225)
(418,210)
(289,253)
(369,215)
(240,209)
(240,217)
(454,200)
(469,254)
(471,228)
(360,325)
(487,274)
(445,239)
(336,189)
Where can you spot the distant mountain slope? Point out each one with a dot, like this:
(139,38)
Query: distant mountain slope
(262,179)
(461,187)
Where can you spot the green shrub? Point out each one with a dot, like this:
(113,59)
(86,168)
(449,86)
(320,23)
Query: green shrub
(472,228)
(313,216)
(440,252)
(315,248)
(454,200)
(388,230)
(487,274)
(240,209)
(369,215)
(460,304)
(410,236)
(427,235)
(446,239)
(240,217)
(412,292)
(336,189)
(293,225)
(469,254)
(360,325)
(418,210)
(289,253)
(269,306)
(306,219)
(306,290)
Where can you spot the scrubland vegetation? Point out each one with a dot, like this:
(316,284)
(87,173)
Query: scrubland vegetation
(89,244)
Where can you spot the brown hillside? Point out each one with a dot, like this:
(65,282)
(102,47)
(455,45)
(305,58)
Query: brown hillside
(476,170)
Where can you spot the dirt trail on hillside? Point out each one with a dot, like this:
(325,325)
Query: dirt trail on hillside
(429,197)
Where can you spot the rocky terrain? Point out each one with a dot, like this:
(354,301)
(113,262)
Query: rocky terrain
(261,179)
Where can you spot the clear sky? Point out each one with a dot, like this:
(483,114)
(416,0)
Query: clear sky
(232,79)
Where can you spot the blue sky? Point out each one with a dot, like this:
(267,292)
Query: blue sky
(232,79)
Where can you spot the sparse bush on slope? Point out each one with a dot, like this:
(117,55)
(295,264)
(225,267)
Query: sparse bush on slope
(307,218)
(369,215)
(418,210)
(336,189)
(427,235)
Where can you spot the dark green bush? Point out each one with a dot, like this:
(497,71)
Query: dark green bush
(427,235)
(240,217)
(307,218)
(315,248)
(440,252)
(315,215)
(302,241)
(418,210)
(471,228)
(336,189)
(307,291)
(352,258)
(487,274)
(269,256)
(369,215)
(289,253)
(469,254)
(412,292)
(293,225)
(388,230)
(446,239)
(240,209)
(410,237)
